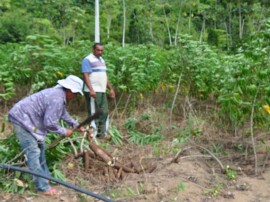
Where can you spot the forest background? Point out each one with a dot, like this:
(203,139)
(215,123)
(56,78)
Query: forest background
(171,54)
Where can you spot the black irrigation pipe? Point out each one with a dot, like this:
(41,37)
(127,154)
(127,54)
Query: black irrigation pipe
(10,167)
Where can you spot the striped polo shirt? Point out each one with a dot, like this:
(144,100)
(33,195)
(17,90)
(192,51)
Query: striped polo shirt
(96,68)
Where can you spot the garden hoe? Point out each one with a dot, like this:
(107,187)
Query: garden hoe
(86,121)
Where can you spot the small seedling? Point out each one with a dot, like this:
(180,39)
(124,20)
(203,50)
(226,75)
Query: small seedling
(214,192)
(230,173)
(181,186)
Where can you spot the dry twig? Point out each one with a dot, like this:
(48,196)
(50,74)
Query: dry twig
(174,160)
(252,134)
(174,99)
(265,161)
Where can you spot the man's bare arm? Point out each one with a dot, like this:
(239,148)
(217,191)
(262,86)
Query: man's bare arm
(88,84)
(112,93)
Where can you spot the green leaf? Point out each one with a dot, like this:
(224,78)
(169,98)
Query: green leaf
(3,127)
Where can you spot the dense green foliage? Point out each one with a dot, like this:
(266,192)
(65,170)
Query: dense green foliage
(218,49)
(46,42)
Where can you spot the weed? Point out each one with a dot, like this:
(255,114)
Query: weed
(156,150)
(175,150)
(17,182)
(214,192)
(192,130)
(104,145)
(82,182)
(230,173)
(141,188)
(58,174)
(239,147)
(181,186)
(131,191)
(131,124)
(218,149)
(82,198)
(121,192)
(9,148)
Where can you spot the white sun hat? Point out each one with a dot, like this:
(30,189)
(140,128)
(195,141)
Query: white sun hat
(74,83)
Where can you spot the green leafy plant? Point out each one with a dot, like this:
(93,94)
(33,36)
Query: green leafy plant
(230,173)
(215,191)
(181,186)
(117,138)
(142,131)
(57,153)
(192,130)
(141,138)
(9,148)
(159,149)
(218,149)
(16,182)
(122,191)
(58,174)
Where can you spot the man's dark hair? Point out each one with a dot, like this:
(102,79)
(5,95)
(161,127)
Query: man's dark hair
(97,44)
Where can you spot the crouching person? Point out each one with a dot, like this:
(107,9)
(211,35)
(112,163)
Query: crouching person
(34,116)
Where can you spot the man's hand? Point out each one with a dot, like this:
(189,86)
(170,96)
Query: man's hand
(93,94)
(81,129)
(112,93)
(69,132)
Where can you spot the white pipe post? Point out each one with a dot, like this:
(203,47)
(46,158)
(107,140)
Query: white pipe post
(97,30)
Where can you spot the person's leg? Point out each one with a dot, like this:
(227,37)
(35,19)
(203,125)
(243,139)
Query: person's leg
(102,103)
(88,103)
(33,153)
(42,159)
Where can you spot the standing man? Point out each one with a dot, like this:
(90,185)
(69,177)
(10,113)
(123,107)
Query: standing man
(34,116)
(96,83)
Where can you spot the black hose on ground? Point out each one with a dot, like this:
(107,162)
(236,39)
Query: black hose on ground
(10,167)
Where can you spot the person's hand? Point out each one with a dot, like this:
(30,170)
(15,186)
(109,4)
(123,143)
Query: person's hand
(69,132)
(112,93)
(81,129)
(93,94)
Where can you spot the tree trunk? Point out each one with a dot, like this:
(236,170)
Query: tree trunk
(168,28)
(240,20)
(189,21)
(203,29)
(151,27)
(227,35)
(109,22)
(177,26)
(260,19)
(230,23)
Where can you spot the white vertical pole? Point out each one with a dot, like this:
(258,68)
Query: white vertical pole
(97,31)
(124,24)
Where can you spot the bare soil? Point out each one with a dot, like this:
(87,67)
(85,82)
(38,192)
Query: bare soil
(194,177)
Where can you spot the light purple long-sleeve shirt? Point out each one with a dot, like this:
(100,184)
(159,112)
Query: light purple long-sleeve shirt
(39,113)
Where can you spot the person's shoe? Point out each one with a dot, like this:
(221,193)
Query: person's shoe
(104,137)
(107,137)
(51,192)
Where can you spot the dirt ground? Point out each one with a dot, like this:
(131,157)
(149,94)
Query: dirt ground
(161,185)
(195,177)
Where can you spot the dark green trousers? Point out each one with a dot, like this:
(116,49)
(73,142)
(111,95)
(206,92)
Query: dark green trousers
(100,102)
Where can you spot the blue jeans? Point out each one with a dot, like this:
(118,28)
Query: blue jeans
(35,153)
